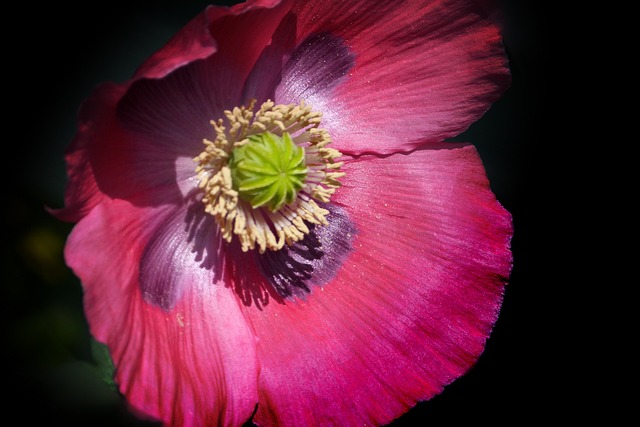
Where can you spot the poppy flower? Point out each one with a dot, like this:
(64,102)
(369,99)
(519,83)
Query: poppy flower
(270,224)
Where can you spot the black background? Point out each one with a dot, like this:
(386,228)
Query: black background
(61,51)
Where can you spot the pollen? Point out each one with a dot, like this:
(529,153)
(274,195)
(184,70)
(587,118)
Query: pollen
(263,174)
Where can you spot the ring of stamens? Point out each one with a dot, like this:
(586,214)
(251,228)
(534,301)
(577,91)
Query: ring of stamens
(259,227)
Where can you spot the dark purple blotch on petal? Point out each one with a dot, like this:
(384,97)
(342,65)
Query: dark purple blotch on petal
(294,270)
(314,67)
(317,65)
(185,246)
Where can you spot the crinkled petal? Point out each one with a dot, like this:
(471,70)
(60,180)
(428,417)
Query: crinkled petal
(183,355)
(410,308)
(424,70)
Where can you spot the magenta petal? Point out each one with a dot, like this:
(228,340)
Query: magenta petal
(192,42)
(267,71)
(243,31)
(82,192)
(187,363)
(425,70)
(410,309)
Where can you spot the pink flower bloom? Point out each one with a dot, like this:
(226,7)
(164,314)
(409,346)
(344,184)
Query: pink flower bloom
(373,271)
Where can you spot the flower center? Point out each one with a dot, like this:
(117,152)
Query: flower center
(263,173)
(268,170)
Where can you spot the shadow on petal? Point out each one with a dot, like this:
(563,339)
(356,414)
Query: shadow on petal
(293,271)
(204,237)
(266,74)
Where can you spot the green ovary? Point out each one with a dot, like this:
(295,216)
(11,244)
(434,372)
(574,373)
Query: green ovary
(268,170)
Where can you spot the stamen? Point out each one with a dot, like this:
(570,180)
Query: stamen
(274,224)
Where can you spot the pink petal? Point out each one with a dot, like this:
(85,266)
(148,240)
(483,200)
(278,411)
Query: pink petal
(243,31)
(191,43)
(186,363)
(425,70)
(410,309)
(267,72)
(82,192)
